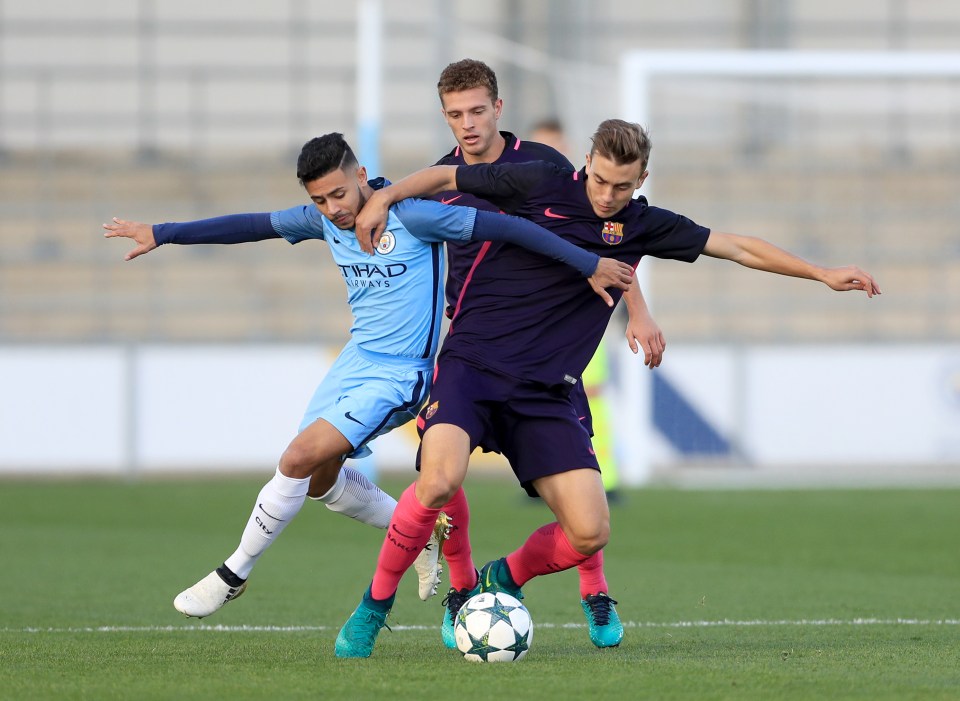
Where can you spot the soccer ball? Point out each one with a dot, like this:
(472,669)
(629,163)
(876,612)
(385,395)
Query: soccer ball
(493,627)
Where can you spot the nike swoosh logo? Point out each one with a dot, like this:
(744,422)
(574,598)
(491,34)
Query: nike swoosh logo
(405,535)
(281,520)
(551,215)
(444,200)
(353,419)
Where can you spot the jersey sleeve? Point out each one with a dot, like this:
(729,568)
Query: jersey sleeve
(434,222)
(231,228)
(298,223)
(673,236)
(504,184)
(522,232)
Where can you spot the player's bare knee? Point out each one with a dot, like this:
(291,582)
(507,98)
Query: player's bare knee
(299,462)
(588,546)
(589,541)
(435,490)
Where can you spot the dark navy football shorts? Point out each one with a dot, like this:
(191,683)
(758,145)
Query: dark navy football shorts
(578,395)
(537,429)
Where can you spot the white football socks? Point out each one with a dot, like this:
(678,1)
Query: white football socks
(278,502)
(280,499)
(355,496)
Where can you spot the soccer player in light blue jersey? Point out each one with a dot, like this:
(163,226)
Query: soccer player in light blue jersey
(383,375)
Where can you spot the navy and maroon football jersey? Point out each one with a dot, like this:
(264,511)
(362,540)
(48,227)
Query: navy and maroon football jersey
(534,319)
(460,255)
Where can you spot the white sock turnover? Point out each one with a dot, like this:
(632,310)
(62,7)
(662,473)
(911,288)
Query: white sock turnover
(355,496)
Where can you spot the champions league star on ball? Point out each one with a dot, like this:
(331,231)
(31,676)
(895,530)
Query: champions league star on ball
(493,627)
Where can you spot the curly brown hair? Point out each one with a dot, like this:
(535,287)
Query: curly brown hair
(467,74)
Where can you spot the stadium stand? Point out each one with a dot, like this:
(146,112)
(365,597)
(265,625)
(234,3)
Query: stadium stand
(65,167)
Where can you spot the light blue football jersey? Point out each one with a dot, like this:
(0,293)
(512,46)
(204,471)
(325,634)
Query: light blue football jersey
(396,296)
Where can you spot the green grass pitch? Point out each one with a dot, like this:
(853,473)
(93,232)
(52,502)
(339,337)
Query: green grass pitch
(725,595)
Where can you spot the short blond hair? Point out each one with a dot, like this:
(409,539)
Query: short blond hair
(622,142)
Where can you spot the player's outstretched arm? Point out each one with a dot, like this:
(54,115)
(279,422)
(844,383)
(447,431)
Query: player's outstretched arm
(642,330)
(229,229)
(140,233)
(373,216)
(762,255)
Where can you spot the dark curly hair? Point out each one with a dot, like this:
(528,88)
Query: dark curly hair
(322,155)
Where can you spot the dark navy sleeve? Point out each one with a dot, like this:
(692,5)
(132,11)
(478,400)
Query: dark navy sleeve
(672,236)
(506,185)
(522,232)
(233,228)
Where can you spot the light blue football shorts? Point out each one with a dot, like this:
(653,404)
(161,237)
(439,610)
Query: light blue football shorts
(367,394)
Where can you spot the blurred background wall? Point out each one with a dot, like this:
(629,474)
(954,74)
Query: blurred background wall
(173,110)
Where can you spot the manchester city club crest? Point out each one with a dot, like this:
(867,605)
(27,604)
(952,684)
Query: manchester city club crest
(386,243)
(612,233)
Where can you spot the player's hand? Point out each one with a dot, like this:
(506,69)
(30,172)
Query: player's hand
(371,221)
(610,273)
(850,277)
(142,235)
(644,333)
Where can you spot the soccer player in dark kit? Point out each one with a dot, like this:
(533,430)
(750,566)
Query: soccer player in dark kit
(522,335)
(471,105)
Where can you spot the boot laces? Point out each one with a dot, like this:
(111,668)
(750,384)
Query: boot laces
(600,606)
(454,601)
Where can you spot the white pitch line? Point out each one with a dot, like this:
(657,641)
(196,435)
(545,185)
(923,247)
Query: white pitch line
(725,623)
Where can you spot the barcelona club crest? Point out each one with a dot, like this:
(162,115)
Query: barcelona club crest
(612,233)
(432,409)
